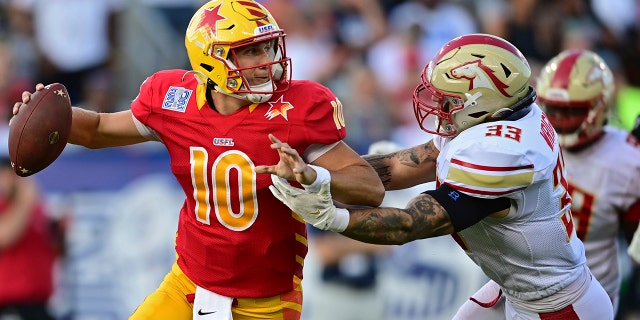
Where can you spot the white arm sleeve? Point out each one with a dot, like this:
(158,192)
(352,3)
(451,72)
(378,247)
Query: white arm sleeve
(316,150)
(146,131)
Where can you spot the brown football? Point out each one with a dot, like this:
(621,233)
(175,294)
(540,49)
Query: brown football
(40,130)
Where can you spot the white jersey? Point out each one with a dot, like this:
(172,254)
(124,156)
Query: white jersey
(534,251)
(604,181)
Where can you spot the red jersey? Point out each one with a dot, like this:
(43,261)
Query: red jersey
(234,237)
(26,267)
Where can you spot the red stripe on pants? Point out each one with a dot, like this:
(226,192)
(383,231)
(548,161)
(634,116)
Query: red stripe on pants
(566,313)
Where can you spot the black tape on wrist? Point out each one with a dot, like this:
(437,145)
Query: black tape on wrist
(465,210)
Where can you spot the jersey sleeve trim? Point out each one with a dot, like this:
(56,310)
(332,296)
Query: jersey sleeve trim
(145,131)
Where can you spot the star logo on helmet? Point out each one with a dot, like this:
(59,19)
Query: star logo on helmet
(479,76)
(278,108)
(209,19)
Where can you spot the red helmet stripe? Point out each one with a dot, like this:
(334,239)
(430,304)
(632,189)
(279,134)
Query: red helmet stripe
(562,77)
(251,4)
(478,39)
(256,11)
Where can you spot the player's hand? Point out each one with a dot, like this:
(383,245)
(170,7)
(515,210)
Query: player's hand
(291,166)
(315,207)
(26,97)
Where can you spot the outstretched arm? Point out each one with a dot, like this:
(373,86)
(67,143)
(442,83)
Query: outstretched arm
(430,214)
(96,130)
(423,218)
(407,167)
(353,181)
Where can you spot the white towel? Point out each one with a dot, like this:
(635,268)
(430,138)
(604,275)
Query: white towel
(209,305)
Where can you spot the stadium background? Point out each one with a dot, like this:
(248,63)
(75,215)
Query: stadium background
(123,202)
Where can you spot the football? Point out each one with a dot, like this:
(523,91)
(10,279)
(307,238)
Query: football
(40,130)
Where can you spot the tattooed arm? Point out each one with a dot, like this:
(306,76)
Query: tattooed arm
(423,218)
(407,167)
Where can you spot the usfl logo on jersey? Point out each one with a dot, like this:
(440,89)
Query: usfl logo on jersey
(176,99)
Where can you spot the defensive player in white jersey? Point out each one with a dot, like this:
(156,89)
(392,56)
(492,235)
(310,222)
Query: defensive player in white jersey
(575,89)
(501,188)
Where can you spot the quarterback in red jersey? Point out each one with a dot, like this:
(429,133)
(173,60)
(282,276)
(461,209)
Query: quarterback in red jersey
(240,251)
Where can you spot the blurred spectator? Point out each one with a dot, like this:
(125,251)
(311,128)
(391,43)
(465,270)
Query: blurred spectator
(27,245)
(628,99)
(530,25)
(366,110)
(347,288)
(12,83)
(439,21)
(417,29)
(176,16)
(359,24)
(619,16)
(311,42)
(75,41)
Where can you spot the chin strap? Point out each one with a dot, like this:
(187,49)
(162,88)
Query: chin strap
(518,110)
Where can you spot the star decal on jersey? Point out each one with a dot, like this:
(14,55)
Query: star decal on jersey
(210,18)
(278,108)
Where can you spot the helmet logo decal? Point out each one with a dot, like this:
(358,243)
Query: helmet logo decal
(209,19)
(479,76)
(255,13)
(596,74)
(278,108)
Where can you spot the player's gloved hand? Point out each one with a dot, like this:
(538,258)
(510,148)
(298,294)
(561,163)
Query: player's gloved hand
(313,205)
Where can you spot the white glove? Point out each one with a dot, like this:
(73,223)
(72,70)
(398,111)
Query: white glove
(314,206)
(634,247)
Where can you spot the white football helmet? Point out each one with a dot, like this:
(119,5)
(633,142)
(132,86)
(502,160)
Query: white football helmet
(472,79)
(220,27)
(575,89)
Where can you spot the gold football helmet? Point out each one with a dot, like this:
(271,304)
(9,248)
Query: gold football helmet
(219,28)
(472,79)
(575,89)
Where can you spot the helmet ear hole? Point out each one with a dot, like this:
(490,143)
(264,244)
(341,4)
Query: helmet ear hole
(206,67)
(506,70)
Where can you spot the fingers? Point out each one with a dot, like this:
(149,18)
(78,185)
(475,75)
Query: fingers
(282,146)
(266,169)
(16,107)
(26,97)
(284,187)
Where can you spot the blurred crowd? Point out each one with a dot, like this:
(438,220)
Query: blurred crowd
(369,52)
